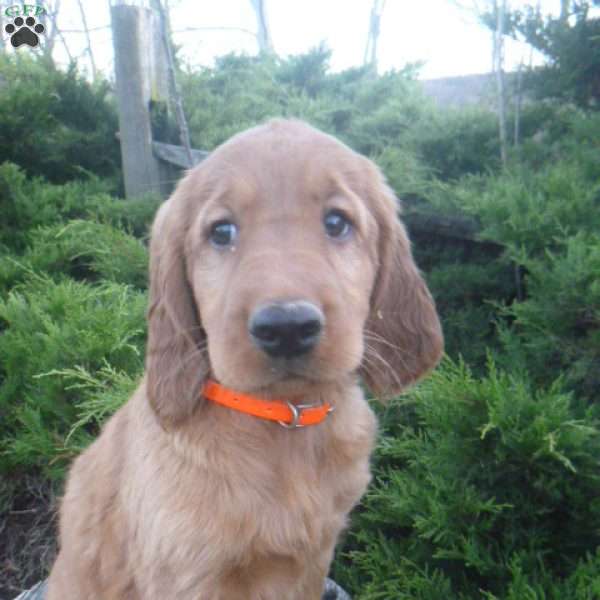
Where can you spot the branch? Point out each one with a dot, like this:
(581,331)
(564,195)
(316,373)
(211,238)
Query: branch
(64,43)
(89,42)
(83,30)
(52,13)
(236,29)
(184,132)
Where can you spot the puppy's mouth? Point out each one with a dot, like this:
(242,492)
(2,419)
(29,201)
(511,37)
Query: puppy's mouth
(286,378)
(292,374)
(298,367)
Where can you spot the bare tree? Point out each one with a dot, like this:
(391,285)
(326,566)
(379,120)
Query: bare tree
(51,33)
(499,7)
(65,45)
(370,57)
(88,40)
(519,84)
(184,132)
(518,103)
(263,33)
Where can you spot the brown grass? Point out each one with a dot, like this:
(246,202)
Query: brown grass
(27,532)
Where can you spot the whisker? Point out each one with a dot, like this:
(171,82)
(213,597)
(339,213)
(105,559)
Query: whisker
(375,337)
(370,357)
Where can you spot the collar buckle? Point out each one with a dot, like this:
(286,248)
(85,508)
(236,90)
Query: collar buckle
(297,410)
(296,414)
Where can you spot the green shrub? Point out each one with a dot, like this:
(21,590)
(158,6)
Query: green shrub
(134,215)
(405,174)
(455,143)
(373,114)
(556,329)
(470,279)
(88,250)
(49,327)
(525,210)
(238,93)
(11,271)
(54,123)
(386,112)
(482,486)
(241,91)
(581,142)
(584,583)
(467,296)
(100,393)
(547,221)
(26,204)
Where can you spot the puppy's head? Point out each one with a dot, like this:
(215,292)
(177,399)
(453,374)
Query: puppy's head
(279,265)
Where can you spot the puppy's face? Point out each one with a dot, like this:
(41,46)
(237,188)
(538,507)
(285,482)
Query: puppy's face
(282,262)
(278,265)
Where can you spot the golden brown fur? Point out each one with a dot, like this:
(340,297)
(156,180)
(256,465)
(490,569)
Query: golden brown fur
(183,499)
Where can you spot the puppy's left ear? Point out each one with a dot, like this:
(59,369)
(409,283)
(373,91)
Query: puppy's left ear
(403,335)
(176,357)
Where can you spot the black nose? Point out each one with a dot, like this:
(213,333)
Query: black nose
(286,329)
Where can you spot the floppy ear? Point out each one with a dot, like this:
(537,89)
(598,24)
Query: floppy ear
(403,334)
(176,358)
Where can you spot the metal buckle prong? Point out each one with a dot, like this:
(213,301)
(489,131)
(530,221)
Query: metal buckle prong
(296,414)
(297,410)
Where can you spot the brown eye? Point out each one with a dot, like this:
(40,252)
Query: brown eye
(337,225)
(223,234)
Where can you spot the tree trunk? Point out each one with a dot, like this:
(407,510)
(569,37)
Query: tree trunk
(370,57)
(518,102)
(500,12)
(263,33)
(52,10)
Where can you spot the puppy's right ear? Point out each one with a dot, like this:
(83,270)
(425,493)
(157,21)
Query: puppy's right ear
(404,330)
(176,357)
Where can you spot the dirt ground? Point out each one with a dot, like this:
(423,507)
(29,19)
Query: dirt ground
(27,533)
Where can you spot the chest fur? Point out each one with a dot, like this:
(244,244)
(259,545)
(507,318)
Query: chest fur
(241,502)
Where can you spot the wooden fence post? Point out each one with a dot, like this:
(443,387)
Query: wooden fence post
(141,78)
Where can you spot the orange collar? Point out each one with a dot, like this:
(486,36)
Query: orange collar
(286,414)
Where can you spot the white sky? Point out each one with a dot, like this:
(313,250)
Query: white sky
(448,39)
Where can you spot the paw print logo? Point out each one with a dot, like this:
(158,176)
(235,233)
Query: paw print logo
(24,32)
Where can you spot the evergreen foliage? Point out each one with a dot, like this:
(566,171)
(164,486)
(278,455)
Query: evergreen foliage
(556,329)
(484,486)
(26,204)
(486,480)
(49,327)
(570,42)
(54,123)
(88,251)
